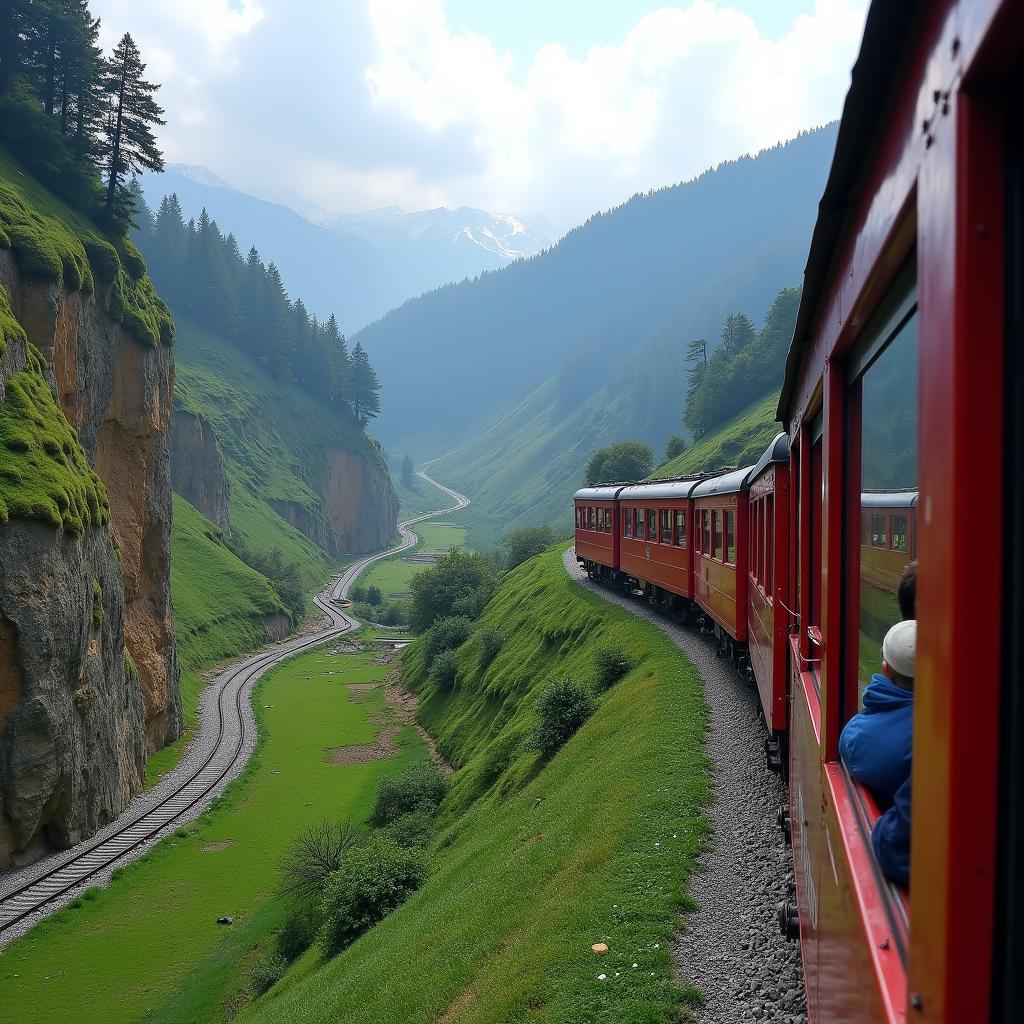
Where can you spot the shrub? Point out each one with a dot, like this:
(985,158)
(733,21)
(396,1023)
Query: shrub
(460,583)
(316,854)
(413,829)
(563,707)
(298,933)
(374,880)
(357,593)
(445,669)
(420,788)
(392,614)
(490,644)
(374,596)
(524,544)
(267,971)
(612,663)
(445,635)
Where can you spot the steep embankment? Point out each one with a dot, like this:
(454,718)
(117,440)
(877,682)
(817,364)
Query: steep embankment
(260,467)
(740,442)
(88,664)
(536,861)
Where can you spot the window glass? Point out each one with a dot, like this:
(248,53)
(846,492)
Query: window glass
(652,525)
(888,439)
(590,517)
(641,519)
(708,547)
(769,543)
(899,533)
(716,525)
(681,529)
(627,522)
(879,534)
(666,526)
(730,537)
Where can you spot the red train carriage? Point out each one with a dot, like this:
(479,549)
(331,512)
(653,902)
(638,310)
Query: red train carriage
(720,555)
(597,530)
(768,585)
(905,375)
(888,536)
(655,548)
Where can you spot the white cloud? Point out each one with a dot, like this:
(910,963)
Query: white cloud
(355,104)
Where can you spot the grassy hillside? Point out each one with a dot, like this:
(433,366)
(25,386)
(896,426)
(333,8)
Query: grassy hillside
(536,861)
(739,442)
(148,947)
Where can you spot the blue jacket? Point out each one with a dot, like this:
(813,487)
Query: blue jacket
(876,744)
(891,837)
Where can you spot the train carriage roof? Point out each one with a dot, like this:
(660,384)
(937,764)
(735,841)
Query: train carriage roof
(776,452)
(888,499)
(885,33)
(728,483)
(660,489)
(602,492)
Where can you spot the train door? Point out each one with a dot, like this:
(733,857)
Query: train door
(1008,979)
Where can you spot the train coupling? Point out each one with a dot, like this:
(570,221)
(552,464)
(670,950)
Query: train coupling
(784,822)
(773,753)
(789,920)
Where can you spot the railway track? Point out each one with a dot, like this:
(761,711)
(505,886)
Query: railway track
(43,891)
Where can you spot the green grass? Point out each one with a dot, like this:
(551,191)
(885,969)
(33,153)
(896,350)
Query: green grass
(219,602)
(740,442)
(535,862)
(51,242)
(148,948)
(44,472)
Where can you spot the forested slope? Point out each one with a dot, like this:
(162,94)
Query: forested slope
(612,306)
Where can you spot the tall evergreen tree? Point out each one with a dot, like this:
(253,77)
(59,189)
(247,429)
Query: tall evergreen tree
(130,144)
(365,387)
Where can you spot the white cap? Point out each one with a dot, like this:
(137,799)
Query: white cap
(899,648)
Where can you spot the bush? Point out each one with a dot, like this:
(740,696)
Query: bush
(445,669)
(357,593)
(393,614)
(490,644)
(316,854)
(612,663)
(460,583)
(267,972)
(524,544)
(298,933)
(563,707)
(374,880)
(413,829)
(374,596)
(421,788)
(445,635)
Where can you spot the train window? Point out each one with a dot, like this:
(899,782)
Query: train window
(769,543)
(641,519)
(716,524)
(899,533)
(681,529)
(627,522)
(730,537)
(879,533)
(666,526)
(888,438)
(708,547)
(590,517)
(652,525)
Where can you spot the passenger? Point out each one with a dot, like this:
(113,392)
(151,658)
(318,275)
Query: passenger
(890,838)
(876,744)
(906,592)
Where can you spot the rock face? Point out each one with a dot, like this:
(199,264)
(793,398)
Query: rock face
(117,395)
(197,466)
(72,731)
(359,501)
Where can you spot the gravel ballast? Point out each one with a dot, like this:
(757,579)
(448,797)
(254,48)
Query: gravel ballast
(731,948)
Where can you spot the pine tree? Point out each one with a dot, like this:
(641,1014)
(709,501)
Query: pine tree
(133,113)
(141,214)
(339,365)
(365,387)
(737,333)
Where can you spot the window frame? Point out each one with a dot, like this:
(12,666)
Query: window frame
(729,539)
(679,528)
(640,525)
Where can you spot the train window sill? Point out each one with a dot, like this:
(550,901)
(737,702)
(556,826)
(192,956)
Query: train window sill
(857,810)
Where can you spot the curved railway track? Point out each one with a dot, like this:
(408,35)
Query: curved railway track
(39,893)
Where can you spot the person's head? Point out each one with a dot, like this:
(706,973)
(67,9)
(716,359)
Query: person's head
(906,592)
(899,653)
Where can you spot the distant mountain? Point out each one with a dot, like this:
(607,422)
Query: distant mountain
(360,265)
(529,369)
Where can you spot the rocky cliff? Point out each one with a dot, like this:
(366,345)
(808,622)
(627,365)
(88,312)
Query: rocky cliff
(88,665)
(197,466)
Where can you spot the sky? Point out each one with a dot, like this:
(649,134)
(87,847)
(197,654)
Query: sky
(551,107)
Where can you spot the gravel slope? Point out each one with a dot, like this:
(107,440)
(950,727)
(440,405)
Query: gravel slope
(731,948)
